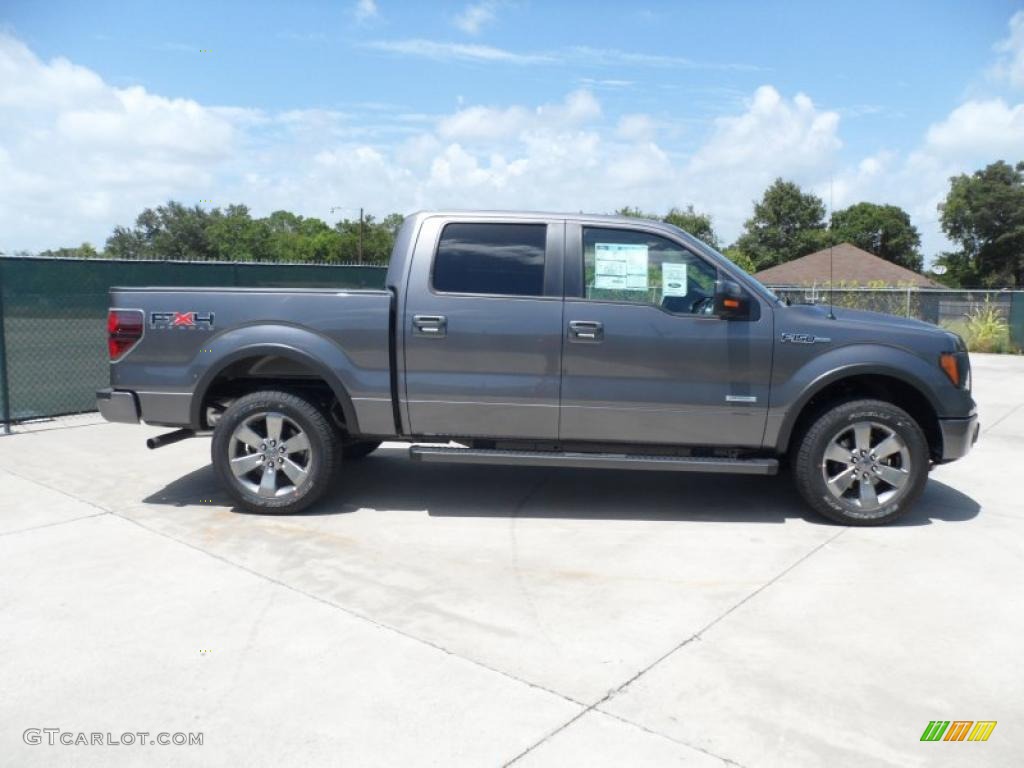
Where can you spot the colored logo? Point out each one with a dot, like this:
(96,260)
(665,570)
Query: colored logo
(185,320)
(958,730)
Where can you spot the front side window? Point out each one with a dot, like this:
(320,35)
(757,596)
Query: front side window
(641,268)
(498,259)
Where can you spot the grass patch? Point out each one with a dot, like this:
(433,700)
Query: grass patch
(984,330)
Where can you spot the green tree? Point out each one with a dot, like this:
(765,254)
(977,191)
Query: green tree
(740,259)
(170,231)
(235,236)
(697,224)
(84,251)
(787,223)
(884,230)
(174,231)
(984,214)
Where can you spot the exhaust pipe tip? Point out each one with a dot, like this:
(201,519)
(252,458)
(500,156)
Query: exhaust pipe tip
(170,437)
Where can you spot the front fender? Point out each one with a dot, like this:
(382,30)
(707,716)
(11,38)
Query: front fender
(796,384)
(300,345)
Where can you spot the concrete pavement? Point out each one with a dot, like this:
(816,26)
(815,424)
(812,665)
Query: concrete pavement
(460,615)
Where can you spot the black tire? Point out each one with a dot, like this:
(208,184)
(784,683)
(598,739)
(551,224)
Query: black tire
(318,461)
(358,449)
(834,430)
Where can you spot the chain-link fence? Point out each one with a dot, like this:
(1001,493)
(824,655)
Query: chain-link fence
(990,321)
(53,354)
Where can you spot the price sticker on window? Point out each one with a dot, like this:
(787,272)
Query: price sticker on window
(620,266)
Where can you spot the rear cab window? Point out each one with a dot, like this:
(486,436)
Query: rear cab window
(490,258)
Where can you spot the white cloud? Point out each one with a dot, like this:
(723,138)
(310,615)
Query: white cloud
(486,123)
(81,155)
(576,55)
(772,137)
(475,17)
(1010,65)
(365,10)
(977,130)
(478,123)
(78,156)
(635,127)
(431,49)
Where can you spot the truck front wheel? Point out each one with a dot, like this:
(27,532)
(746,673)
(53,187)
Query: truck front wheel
(862,463)
(274,452)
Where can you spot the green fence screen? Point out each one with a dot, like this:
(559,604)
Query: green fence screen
(53,354)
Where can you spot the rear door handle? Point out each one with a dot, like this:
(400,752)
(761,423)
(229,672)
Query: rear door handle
(433,326)
(586,330)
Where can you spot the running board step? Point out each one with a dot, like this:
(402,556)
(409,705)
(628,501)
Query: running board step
(597,460)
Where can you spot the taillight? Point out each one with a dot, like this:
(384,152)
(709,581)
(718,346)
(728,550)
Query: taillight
(124,329)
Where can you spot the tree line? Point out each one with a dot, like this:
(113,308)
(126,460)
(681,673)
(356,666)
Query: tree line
(983,214)
(192,233)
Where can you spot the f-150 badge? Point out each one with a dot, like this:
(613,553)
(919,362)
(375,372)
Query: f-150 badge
(190,321)
(803,338)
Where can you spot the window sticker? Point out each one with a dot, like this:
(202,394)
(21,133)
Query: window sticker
(620,266)
(673,279)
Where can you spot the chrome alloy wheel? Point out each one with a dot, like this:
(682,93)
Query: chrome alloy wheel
(270,455)
(866,465)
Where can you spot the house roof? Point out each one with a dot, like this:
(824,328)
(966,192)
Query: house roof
(850,265)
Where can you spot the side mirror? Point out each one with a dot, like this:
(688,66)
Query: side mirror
(731,301)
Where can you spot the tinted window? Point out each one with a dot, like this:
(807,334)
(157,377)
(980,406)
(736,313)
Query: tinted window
(626,265)
(503,259)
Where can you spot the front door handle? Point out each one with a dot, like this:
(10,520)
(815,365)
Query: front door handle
(586,330)
(433,326)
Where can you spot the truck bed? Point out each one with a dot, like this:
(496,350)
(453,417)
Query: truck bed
(193,335)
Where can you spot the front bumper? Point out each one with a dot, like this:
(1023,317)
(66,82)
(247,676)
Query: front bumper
(958,436)
(119,406)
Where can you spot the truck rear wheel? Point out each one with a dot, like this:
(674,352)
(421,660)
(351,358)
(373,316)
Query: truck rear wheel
(274,452)
(862,463)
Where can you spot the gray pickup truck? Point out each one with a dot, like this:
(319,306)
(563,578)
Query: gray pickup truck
(545,340)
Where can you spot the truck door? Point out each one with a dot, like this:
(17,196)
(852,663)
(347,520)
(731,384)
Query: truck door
(481,328)
(645,359)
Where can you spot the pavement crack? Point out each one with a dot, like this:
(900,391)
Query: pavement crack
(726,760)
(695,636)
(1002,418)
(700,632)
(53,525)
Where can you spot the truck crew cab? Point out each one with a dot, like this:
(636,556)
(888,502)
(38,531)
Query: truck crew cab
(549,340)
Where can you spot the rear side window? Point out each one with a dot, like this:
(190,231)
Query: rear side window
(499,259)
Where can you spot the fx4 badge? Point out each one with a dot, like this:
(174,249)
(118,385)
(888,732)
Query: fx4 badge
(803,338)
(190,321)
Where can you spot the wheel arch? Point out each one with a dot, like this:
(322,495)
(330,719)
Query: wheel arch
(265,351)
(891,385)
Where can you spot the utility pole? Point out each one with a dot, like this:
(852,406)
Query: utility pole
(360,259)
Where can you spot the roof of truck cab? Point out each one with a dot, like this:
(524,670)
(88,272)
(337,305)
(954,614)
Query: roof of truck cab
(534,214)
(602,217)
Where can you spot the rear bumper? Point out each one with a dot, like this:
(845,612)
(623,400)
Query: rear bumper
(118,406)
(958,436)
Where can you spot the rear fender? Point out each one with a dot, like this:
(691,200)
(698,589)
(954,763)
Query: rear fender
(301,346)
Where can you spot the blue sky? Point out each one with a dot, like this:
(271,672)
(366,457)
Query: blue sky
(109,107)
